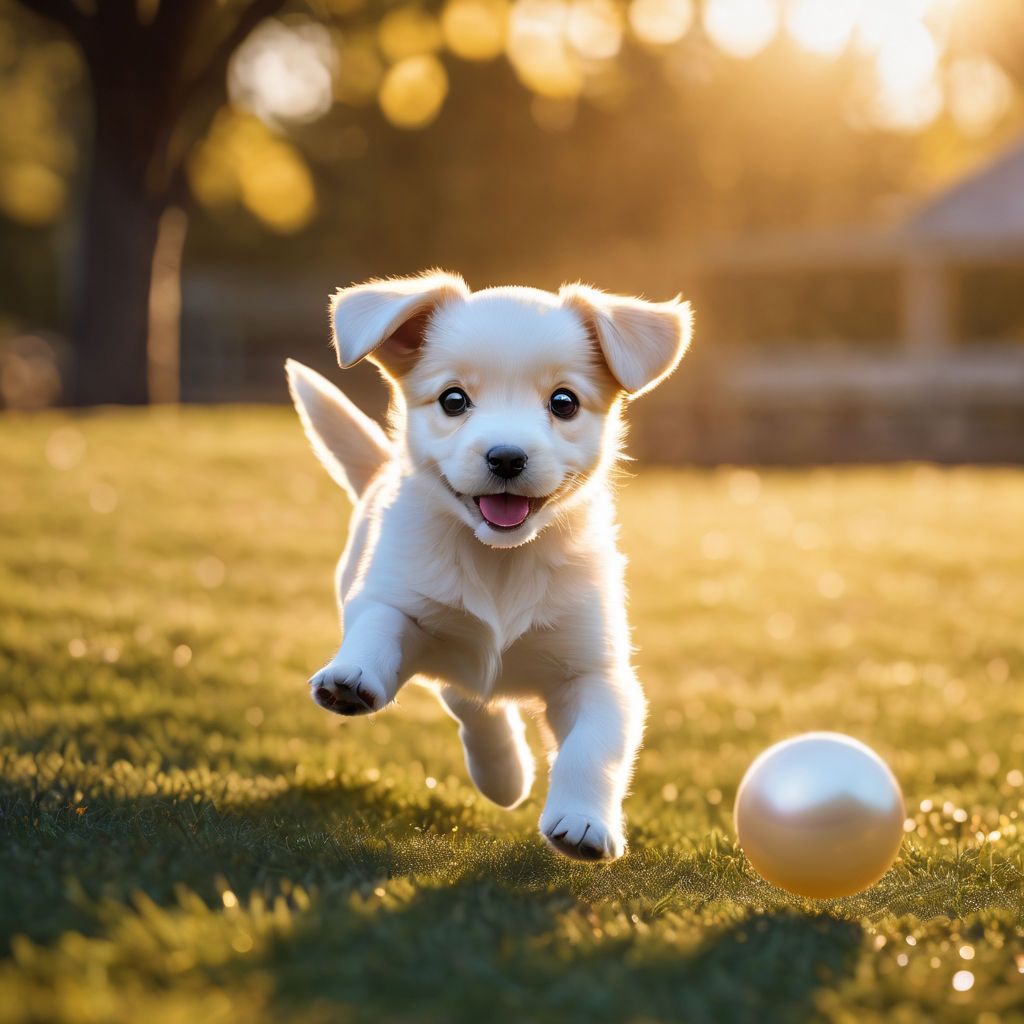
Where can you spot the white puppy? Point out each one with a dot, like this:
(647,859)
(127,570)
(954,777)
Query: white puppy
(482,550)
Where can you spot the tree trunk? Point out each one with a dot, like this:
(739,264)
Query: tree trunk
(141,94)
(112,274)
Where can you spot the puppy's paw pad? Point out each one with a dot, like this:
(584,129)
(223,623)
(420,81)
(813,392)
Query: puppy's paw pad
(345,690)
(582,836)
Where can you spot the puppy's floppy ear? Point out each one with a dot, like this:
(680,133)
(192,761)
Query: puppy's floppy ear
(386,319)
(642,342)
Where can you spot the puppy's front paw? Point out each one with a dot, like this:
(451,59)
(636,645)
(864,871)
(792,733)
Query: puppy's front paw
(346,690)
(582,836)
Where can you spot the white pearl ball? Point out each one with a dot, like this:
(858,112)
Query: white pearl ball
(820,815)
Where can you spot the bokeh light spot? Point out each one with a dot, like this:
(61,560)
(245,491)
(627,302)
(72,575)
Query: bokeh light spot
(408,32)
(284,72)
(594,28)
(660,22)
(539,52)
(413,92)
(908,94)
(360,69)
(31,193)
(103,499)
(821,26)
(741,28)
(242,160)
(475,29)
(979,95)
(65,448)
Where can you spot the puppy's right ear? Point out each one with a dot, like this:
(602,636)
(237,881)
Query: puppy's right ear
(385,320)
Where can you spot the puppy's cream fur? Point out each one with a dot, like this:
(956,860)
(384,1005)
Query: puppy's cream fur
(494,619)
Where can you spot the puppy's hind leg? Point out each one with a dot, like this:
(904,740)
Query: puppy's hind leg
(499,761)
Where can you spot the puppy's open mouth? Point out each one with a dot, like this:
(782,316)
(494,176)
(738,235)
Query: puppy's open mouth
(505,511)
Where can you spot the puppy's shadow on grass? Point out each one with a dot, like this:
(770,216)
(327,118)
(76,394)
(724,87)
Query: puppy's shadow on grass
(469,926)
(474,951)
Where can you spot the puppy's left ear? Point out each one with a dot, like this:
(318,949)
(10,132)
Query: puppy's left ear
(385,320)
(642,342)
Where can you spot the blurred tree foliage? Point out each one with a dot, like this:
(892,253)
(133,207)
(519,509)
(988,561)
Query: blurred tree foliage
(613,138)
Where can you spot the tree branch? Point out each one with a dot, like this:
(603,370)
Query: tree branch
(67,15)
(217,67)
(200,98)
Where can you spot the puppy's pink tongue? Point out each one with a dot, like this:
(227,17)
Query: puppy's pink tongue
(504,509)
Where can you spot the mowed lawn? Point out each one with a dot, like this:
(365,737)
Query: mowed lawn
(184,836)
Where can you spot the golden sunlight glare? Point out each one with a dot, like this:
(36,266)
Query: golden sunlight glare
(660,22)
(979,94)
(821,26)
(741,28)
(902,40)
(909,93)
(539,51)
(878,21)
(594,28)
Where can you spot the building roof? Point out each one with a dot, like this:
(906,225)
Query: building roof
(978,217)
(986,207)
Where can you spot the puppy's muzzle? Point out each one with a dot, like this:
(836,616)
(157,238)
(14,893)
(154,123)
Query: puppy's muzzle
(506,461)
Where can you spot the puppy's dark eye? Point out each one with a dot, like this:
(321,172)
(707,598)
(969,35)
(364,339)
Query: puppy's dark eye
(564,404)
(454,401)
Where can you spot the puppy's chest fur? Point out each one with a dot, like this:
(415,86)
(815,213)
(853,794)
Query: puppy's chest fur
(493,615)
(506,592)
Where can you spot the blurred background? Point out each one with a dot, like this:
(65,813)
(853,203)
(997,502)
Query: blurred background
(838,185)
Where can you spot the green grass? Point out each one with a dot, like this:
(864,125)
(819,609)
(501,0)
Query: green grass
(186,837)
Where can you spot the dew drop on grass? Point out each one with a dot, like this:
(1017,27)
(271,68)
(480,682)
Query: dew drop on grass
(65,448)
(210,572)
(715,546)
(831,585)
(744,719)
(808,536)
(744,486)
(103,499)
(780,626)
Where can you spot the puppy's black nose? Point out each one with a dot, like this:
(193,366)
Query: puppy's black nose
(506,461)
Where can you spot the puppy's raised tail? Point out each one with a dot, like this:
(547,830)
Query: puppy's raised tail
(348,443)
